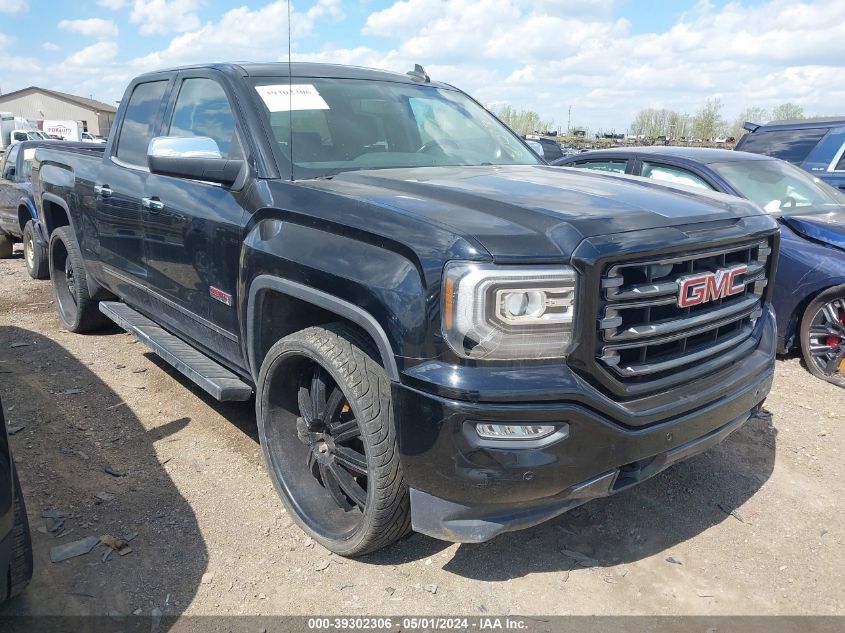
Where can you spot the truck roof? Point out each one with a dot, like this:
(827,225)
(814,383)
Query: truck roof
(305,69)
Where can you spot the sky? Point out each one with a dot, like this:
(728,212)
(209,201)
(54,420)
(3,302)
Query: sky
(604,59)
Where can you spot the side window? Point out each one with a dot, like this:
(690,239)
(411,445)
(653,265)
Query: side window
(137,129)
(9,162)
(674,175)
(202,109)
(615,166)
(790,145)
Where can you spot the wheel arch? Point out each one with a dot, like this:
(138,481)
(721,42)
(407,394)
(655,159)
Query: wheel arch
(791,338)
(277,307)
(26,212)
(56,214)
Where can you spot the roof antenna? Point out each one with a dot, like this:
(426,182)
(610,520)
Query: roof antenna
(290,97)
(418,74)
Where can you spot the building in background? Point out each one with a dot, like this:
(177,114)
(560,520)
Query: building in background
(39,104)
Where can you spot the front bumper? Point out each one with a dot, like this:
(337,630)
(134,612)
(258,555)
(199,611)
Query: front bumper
(463,489)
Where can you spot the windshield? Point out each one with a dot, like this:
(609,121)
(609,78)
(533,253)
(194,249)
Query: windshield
(780,188)
(327,126)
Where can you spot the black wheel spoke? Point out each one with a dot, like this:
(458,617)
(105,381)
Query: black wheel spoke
(350,459)
(318,395)
(333,406)
(306,410)
(345,431)
(348,484)
(331,484)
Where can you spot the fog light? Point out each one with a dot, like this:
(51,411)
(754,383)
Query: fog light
(513,431)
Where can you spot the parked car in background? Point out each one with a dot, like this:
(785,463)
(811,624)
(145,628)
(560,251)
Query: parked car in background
(15,538)
(18,215)
(442,332)
(19,136)
(817,146)
(87,137)
(550,148)
(809,296)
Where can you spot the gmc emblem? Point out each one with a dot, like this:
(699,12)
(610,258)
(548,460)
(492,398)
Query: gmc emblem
(697,289)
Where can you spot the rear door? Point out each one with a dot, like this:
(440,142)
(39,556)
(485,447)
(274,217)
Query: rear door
(119,189)
(9,192)
(192,229)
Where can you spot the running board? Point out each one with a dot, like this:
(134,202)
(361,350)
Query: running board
(211,376)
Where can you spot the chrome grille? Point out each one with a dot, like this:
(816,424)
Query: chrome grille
(643,333)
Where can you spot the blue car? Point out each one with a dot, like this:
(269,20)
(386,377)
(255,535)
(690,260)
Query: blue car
(809,297)
(816,146)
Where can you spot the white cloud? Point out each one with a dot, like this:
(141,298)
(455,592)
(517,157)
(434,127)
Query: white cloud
(114,5)
(160,17)
(13,6)
(91,57)
(92,27)
(5,40)
(243,34)
(50,46)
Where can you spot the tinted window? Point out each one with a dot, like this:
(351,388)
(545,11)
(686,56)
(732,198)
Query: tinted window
(674,175)
(202,109)
(788,145)
(138,124)
(616,166)
(9,163)
(327,126)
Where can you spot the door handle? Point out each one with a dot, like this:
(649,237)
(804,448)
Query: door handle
(153,204)
(103,190)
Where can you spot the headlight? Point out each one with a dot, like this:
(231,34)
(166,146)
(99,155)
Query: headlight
(508,312)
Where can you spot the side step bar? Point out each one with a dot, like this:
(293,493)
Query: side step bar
(211,376)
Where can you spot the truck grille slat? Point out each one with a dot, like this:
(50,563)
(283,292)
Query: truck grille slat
(644,333)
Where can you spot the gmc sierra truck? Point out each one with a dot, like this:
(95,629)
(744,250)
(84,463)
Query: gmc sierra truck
(441,332)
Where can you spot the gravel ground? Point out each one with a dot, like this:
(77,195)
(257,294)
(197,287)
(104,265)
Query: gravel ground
(753,526)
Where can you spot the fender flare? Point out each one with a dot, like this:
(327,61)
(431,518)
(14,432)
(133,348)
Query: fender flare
(51,197)
(341,307)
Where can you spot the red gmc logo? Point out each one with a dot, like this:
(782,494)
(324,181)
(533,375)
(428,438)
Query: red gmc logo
(697,289)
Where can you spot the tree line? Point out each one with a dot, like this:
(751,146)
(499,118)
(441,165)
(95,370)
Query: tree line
(708,123)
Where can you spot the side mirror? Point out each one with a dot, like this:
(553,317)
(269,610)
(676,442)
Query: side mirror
(193,157)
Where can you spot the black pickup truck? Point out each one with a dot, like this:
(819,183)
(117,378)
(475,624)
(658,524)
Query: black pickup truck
(441,332)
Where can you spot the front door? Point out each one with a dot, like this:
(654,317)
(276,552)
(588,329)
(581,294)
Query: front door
(193,229)
(9,193)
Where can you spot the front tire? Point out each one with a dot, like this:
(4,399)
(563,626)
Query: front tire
(325,421)
(77,310)
(823,336)
(35,254)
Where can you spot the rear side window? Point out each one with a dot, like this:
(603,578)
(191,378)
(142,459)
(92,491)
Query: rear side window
(202,109)
(840,166)
(137,129)
(616,166)
(790,145)
(674,175)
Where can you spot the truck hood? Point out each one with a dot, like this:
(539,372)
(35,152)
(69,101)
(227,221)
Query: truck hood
(537,211)
(828,228)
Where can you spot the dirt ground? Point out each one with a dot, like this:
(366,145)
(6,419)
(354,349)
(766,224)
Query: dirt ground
(754,526)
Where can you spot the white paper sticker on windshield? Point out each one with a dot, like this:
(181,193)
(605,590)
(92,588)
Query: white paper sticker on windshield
(29,154)
(282,97)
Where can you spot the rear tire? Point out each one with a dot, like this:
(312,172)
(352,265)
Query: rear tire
(325,420)
(20,568)
(5,246)
(35,253)
(77,311)
(823,336)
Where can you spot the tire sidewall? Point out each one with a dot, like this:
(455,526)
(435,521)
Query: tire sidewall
(57,237)
(278,354)
(812,309)
(37,270)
